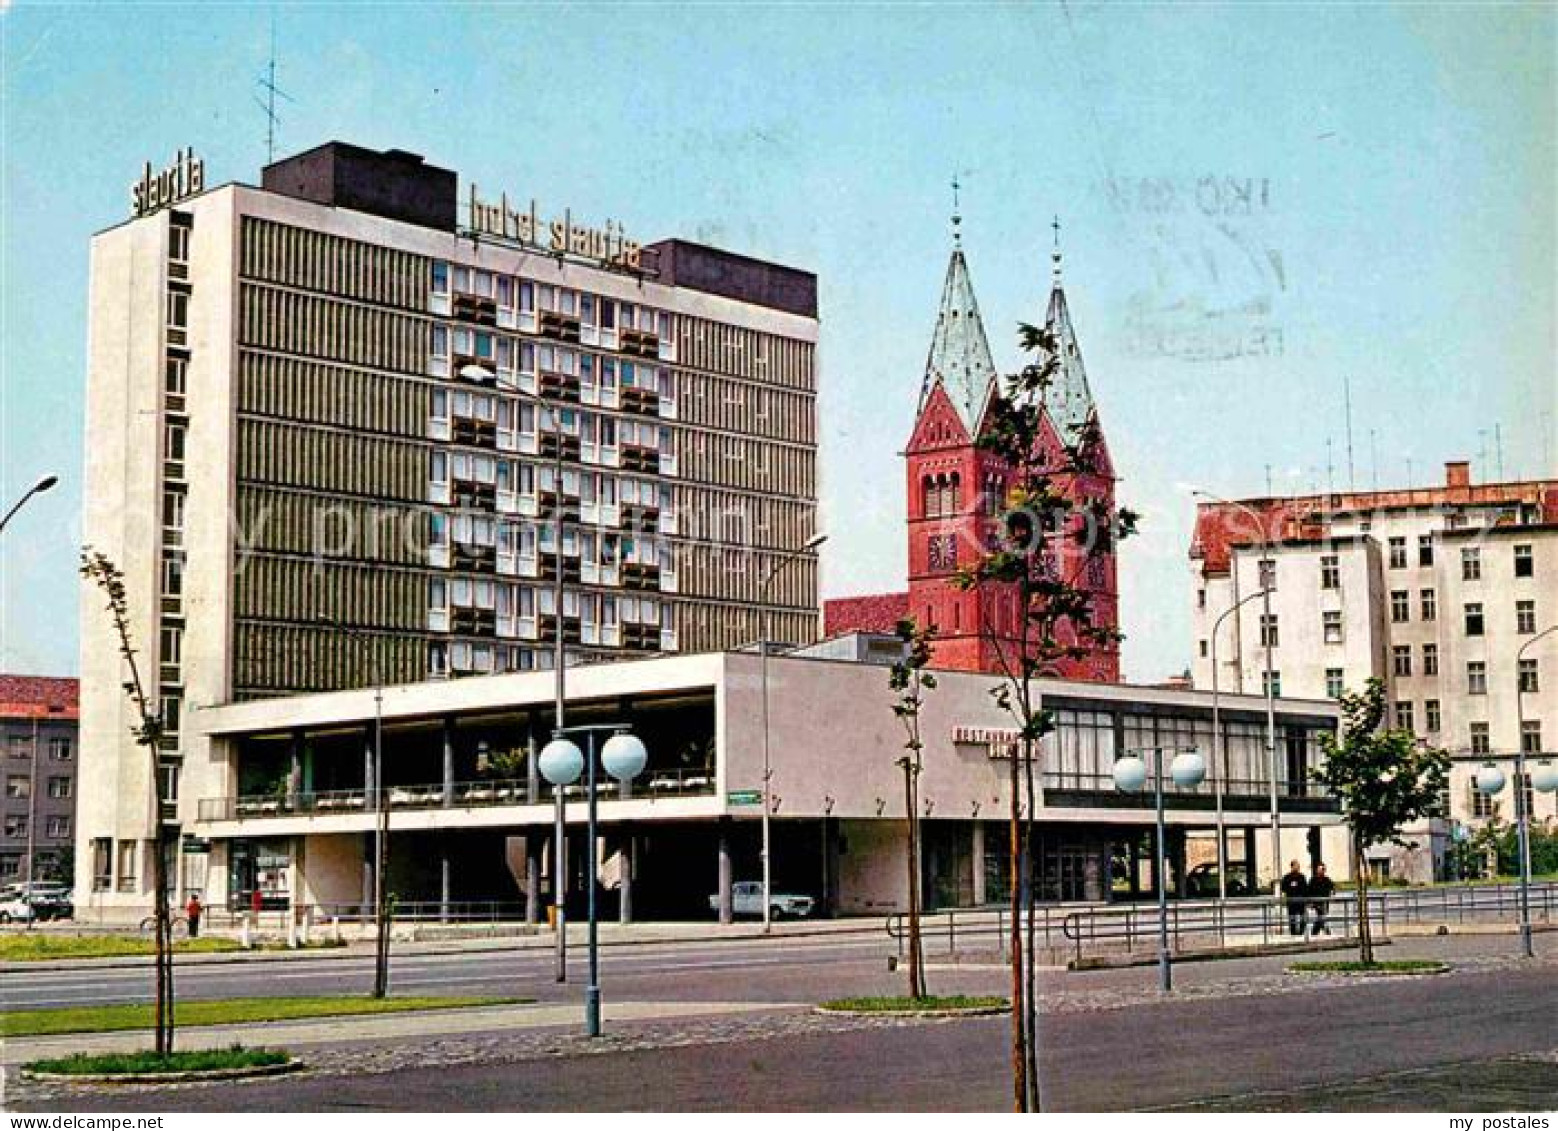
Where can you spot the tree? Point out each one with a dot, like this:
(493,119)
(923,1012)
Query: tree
(1384,778)
(909,679)
(1039,549)
(99,569)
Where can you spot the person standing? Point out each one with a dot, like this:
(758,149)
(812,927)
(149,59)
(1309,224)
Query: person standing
(1321,888)
(192,911)
(1295,890)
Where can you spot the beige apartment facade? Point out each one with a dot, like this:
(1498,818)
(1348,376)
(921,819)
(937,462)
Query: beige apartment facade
(1441,592)
(333,423)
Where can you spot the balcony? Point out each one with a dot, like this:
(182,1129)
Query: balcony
(550,441)
(475,308)
(558,326)
(636,575)
(470,493)
(475,370)
(482,559)
(546,627)
(644,402)
(478,433)
(643,637)
(637,458)
(640,343)
(550,502)
(473,622)
(644,519)
(548,568)
(559,386)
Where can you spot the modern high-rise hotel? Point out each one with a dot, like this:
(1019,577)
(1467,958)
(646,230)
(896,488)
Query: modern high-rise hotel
(332,423)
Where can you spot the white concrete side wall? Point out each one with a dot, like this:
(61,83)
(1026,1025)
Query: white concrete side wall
(332,870)
(873,873)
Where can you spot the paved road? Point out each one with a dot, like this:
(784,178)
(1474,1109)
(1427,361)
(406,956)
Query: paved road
(1227,1054)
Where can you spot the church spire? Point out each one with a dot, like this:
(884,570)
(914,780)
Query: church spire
(959,358)
(1068,398)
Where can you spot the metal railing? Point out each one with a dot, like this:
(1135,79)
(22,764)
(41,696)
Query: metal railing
(460,795)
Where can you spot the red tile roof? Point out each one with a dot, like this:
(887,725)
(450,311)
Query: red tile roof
(39,697)
(879,612)
(1250,522)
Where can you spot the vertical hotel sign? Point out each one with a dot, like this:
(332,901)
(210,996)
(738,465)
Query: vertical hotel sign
(609,245)
(155,191)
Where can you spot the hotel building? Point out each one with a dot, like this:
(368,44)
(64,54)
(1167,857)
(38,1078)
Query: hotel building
(333,423)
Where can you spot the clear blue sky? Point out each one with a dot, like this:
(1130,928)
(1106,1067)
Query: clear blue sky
(1399,225)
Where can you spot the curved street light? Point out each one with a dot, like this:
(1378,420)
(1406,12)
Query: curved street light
(37,488)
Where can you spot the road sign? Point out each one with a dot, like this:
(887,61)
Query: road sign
(744,797)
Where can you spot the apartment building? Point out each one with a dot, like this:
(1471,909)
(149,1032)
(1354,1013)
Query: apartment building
(38,744)
(1442,592)
(352,427)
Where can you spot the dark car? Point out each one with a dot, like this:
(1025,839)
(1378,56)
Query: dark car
(1201,882)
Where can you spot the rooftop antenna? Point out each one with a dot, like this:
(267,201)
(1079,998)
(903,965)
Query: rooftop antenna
(1498,449)
(1268,481)
(1410,480)
(1352,484)
(1330,469)
(1482,454)
(1373,460)
(267,83)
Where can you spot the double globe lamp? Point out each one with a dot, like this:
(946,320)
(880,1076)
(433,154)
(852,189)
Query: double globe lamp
(562,763)
(1544,779)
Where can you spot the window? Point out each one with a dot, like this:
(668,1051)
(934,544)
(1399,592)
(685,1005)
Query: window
(1471,563)
(440,277)
(1479,738)
(1271,684)
(1476,677)
(178,311)
(178,243)
(1200,593)
(1525,566)
(174,374)
(1425,550)
(1525,617)
(172,642)
(1335,683)
(1404,717)
(21,746)
(1400,606)
(1398,553)
(58,827)
(1331,625)
(1401,659)
(1432,718)
(1268,574)
(1430,604)
(1482,805)
(1203,649)
(1330,572)
(59,788)
(1528,677)
(173,442)
(16,824)
(1474,618)
(102,863)
(59,749)
(127,858)
(1268,630)
(1531,737)
(1430,659)
(18,787)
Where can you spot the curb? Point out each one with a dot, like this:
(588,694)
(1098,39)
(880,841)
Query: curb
(965,1011)
(1257,950)
(291,1065)
(1427,972)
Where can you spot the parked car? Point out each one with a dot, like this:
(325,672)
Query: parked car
(51,900)
(746,898)
(1201,882)
(15,907)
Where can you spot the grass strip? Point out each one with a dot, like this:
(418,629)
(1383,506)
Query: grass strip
(40,947)
(913,1004)
(142,1063)
(1391,966)
(231,1011)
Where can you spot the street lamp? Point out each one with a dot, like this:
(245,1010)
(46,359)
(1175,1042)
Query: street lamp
(1271,704)
(768,872)
(1220,750)
(1130,776)
(37,488)
(561,762)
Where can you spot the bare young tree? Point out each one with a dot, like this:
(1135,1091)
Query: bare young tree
(1043,541)
(909,679)
(97,568)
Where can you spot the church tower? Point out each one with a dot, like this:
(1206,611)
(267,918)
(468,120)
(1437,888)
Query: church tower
(956,491)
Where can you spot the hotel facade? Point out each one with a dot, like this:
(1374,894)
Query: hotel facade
(335,422)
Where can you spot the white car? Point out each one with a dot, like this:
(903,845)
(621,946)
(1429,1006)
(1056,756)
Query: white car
(746,898)
(15,907)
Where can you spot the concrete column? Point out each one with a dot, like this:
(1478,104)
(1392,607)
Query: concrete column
(443,885)
(295,770)
(1249,856)
(448,762)
(532,876)
(532,771)
(726,908)
(368,783)
(297,878)
(367,870)
(629,843)
(978,850)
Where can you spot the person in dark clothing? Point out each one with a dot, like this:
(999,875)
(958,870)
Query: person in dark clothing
(1295,890)
(192,910)
(1321,888)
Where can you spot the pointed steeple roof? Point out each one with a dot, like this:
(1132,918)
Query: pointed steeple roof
(1068,398)
(959,358)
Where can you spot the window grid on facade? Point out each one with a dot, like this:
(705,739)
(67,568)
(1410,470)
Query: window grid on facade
(1400,606)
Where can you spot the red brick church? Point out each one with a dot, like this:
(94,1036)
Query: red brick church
(956,493)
